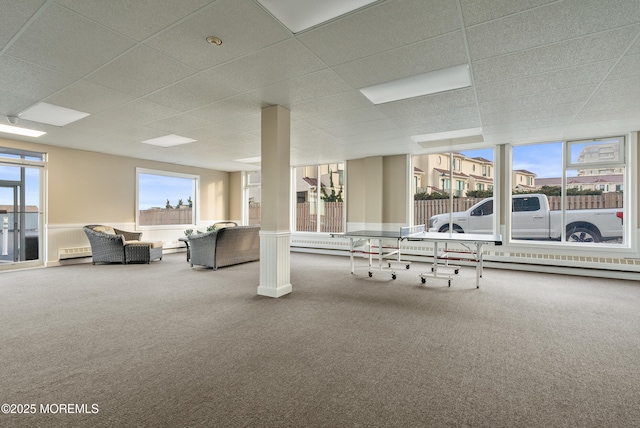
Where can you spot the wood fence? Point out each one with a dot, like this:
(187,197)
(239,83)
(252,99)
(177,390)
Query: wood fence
(159,216)
(332,219)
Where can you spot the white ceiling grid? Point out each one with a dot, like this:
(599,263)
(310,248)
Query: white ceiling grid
(542,70)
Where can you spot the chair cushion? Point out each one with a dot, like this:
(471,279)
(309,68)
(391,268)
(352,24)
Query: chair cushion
(157,244)
(105,229)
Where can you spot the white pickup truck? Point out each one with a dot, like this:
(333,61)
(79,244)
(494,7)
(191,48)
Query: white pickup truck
(532,219)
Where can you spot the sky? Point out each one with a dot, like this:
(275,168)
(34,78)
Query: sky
(545,160)
(32,181)
(154,190)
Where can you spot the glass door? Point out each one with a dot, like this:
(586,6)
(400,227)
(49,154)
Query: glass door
(20,229)
(10,239)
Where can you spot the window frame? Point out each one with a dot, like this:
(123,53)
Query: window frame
(195,199)
(317,204)
(629,242)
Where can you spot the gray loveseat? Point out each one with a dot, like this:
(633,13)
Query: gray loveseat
(225,247)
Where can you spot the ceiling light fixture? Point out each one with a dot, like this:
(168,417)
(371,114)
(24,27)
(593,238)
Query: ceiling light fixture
(20,131)
(52,114)
(254,160)
(168,141)
(459,137)
(213,40)
(442,80)
(300,15)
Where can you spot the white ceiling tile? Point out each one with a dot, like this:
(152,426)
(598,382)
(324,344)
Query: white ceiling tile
(14,15)
(540,135)
(135,112)
(12,104)
(572,53)
(276,63)
(531,114)
(135,19)
(29,80)
(550,24)
(628,66)
(590,74)
(229,108)
(140,71)
(300,89)
(629,87)
(635,48)
(384,26)
(67,42)
(478,11)
(612,104)
(226,20)
(192,92)
(556,122)
(349,100)
(429,55)
(360,128)
(178,124)
(578,94)
(462,114)
(346,117)
(88,97)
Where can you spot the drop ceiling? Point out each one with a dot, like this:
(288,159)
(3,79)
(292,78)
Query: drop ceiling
(541,70)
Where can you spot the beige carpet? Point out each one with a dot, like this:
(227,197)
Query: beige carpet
(167,345)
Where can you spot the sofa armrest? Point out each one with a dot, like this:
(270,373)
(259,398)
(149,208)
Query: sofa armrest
(202,249)
(129,236)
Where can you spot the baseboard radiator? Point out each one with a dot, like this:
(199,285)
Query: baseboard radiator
(73,253)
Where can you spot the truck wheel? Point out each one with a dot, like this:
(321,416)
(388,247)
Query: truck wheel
(582,234)
(456,229)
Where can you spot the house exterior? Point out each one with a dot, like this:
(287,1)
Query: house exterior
(431,173)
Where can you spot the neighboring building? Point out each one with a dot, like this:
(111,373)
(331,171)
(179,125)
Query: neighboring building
(600,153)
(523,180)
(597,178)
(306,180)
(605,183)
(431,173)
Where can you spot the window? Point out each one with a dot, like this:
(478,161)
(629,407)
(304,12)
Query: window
(320,193)
(436,199)
(252,192)
(525,204)
(21,201)
(588,208)
(166,198)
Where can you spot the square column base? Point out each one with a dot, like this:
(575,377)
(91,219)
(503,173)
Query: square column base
(275,264)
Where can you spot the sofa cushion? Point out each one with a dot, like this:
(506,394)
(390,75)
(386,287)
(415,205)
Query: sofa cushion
(105,229)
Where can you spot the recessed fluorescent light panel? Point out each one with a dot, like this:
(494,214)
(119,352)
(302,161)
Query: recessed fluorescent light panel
(250,160)
(458,137)
(300,15)
(433,82)
(168,141)
(52,114)
(16,130)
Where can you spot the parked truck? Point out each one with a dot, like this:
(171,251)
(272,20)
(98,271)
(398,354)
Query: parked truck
(532,219)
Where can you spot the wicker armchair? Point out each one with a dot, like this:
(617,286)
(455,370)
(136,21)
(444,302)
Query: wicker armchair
(111,245)
(225,246)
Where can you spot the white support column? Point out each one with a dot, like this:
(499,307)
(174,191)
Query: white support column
(275,233)
(275,268)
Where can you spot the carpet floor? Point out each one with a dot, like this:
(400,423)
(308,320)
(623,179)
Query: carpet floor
(167,345)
